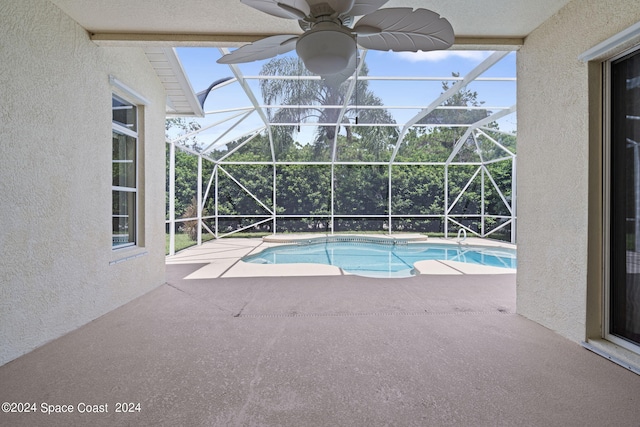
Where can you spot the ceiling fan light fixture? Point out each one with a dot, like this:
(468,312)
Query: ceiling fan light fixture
(326,49)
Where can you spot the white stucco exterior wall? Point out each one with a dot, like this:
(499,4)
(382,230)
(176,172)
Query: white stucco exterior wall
(553,161)
(55,177)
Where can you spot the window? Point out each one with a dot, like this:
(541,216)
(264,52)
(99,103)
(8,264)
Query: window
(623,307)
(124,173)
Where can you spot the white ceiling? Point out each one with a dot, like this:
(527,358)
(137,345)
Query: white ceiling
(181,20)
(159,25)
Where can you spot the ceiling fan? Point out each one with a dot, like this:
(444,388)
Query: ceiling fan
(329,42)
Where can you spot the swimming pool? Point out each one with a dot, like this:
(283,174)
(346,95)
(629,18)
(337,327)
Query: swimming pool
(382,260)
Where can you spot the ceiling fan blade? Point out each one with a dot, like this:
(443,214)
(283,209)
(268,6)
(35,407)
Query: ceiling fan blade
(262,49)
(335,80)
(403,29)
(288,9)
(365,7)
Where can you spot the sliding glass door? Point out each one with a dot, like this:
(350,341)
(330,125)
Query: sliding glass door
(624,285)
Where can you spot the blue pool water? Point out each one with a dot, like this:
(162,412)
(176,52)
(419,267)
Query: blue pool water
(382,260)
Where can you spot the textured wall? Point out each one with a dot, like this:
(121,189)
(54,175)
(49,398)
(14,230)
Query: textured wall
(55,177)
(553,156)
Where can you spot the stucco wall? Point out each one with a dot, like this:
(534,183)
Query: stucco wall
(55,177)
(553,161)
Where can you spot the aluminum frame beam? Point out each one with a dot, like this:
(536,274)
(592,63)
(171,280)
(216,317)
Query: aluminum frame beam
(454,89)
(473,130)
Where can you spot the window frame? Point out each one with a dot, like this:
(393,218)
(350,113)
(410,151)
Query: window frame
(122,129)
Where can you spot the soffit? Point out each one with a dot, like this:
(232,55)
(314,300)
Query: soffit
(181,100)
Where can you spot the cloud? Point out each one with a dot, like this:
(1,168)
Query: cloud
(441,55)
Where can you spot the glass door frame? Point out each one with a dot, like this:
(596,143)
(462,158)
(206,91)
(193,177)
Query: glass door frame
(607,199)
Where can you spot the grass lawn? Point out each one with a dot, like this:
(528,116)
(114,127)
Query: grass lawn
(183,241)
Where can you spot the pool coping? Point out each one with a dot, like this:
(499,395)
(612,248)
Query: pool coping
(391,239)
(331,238)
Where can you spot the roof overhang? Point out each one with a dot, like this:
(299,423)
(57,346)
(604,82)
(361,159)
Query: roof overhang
(181,99)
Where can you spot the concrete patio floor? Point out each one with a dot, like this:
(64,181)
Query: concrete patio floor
(336,350)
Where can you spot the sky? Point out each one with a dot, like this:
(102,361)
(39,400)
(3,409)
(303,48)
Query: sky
(201,68)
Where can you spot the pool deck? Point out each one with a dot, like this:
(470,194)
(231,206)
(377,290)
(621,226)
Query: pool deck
(429,350)
(222,258)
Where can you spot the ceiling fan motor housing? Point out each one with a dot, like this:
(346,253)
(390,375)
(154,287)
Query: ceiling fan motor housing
(327,48)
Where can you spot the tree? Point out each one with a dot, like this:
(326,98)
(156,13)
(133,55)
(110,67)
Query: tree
(437,143)
(176,127)
(186,175)
(462,98)
(311,98)
(191,227)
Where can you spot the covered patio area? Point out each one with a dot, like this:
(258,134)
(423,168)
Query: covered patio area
(321,350)
(96,328)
